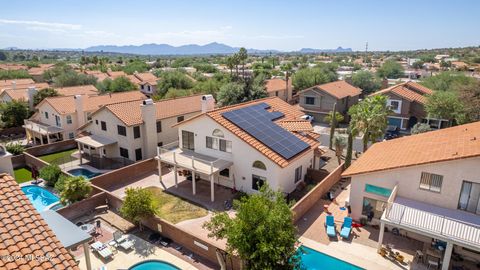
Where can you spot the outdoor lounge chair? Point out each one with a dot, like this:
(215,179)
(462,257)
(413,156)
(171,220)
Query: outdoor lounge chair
(122,240)
(102,249)
(330,225)
(346,227)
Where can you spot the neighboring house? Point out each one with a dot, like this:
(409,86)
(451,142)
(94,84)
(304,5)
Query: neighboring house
(407,101)
(37,72)
(116,74)
(319,100)
(134,129)
(147,83)
(427,185)
(57,118)
(97,74)
(27,242)
(28,94)
(244,146)
(278,88)
(15,84)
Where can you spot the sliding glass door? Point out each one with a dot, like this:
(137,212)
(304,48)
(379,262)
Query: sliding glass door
(188,140)
(470,197)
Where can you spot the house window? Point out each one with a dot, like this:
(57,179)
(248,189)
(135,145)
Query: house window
(225,172)
(212,143)
(373,208)
(180,119)
(123,152)
(258,181)
(310,100)
(259,165)
(69,119)
(104,125)
(188,140)
(71,135)
(57,121)
(136,132)
(89,116)
(122,130)
(159,126)
(470,197)
(138,154)
(225,146)
(141,86)
(395,105)
(96,122)
(385,192)
(430,181)
(160,144)
(298,174)
(46,115)
(276,93)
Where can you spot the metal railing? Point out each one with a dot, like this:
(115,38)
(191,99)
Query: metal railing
(41,128)
(105,163)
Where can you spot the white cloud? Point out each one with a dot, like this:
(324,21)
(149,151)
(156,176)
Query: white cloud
(37,25)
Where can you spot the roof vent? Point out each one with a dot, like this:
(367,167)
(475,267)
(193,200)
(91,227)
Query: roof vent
(148,102)
(474,139)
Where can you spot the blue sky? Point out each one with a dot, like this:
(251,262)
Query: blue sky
(267,24)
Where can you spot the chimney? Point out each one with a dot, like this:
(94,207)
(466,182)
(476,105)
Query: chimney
(5,161)
(14,85)
(149,130)
(79,110)
(31,91)
(208,103)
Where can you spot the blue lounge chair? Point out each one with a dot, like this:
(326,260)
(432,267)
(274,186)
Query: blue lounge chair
(346,227)
(330,225)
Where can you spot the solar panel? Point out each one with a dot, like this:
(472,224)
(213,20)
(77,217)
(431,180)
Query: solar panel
(258,122)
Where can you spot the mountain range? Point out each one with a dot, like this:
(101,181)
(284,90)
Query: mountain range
(194,49)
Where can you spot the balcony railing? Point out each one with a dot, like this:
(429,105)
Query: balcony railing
(172,154)
(41,128)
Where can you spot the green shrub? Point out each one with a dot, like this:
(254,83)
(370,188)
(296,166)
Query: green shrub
(75,188)
(50,174)
(60,184)
(15,148)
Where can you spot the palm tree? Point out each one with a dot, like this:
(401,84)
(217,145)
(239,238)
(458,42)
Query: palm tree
(231,64)
(242,56)
(288,69)
(369,117)
(340,142)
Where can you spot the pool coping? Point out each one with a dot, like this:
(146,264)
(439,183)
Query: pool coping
(47,207)
(345,254)
(153,260)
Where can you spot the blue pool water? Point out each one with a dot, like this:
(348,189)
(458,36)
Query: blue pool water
(83,172)
(313,260)
(41,198)
(153,265)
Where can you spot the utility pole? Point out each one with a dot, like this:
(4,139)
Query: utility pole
(366,52)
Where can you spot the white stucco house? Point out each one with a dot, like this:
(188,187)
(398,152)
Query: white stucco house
(134,129)
(426,185)
(218,148)
(58,118)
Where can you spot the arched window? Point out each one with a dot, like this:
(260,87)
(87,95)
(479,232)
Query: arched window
(217,133)
(259,165)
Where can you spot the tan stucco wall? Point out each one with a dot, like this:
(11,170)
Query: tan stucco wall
(408,180)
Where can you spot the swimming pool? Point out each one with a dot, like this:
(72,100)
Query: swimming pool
(83,172)
(153,265)
(313,260)
(41,198)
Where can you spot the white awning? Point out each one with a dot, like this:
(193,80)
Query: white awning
(460,227)
(95,141)
(41,128)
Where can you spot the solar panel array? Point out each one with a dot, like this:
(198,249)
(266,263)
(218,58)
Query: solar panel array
(258,122)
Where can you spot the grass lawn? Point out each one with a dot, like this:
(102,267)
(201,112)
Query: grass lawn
(176,209)
(55,156)
(23,175)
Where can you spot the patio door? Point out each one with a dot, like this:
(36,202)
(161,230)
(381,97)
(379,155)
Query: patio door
(188,140)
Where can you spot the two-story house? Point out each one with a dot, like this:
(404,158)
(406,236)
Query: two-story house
(426,185)
(279,88)
(134,129)
(147,83)
(58,118)
(244,146)
(319,100)
(407,101)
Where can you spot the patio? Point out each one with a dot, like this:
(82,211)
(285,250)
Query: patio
(361,247)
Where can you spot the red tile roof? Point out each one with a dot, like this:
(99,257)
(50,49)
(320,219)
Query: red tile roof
(410,91)
(337,89)
(274,85)
(434,146)
(24,234)
(129,112)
